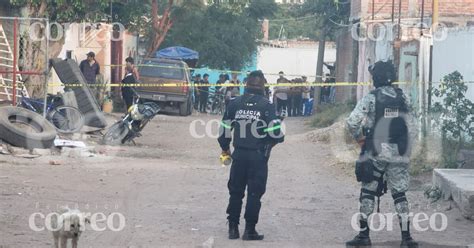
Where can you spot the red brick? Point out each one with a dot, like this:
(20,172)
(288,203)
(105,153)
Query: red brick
(446,7)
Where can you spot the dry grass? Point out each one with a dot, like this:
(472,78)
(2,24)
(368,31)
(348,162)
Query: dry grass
(326,115)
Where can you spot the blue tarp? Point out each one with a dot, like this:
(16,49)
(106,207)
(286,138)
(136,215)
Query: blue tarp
(180,53)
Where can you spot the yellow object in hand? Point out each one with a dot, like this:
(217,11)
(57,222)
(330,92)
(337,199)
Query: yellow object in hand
(225,159)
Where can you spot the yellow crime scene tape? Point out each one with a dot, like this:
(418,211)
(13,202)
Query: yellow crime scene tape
(211,69)
(289,84)
(310,84)
(337,84)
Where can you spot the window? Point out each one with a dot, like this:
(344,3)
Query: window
(162,70)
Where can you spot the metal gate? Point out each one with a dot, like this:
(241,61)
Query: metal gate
(24,44)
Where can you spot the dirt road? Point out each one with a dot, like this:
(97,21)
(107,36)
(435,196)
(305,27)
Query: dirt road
(172,192)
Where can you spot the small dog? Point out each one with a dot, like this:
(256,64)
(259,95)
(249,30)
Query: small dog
(68,225)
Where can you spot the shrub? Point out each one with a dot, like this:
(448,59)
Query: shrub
(454,116)
(326,115)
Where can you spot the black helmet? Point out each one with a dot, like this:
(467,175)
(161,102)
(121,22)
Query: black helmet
(383,73)
(256,81)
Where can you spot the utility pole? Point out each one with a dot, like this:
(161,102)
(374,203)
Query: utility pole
(319,65)
(321,50)
(111,12)
(435,18)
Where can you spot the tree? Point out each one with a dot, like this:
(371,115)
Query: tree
(262,9)
(330,16)
(289,23)
(225,35)
(160,24)
(61,10)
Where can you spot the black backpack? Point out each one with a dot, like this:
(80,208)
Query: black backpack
(390,124)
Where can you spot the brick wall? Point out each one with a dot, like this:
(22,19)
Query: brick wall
(455,7)
(447,8)
(384,7)
(356,9)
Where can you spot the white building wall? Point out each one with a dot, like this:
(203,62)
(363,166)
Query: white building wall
(98,41)
(455,52)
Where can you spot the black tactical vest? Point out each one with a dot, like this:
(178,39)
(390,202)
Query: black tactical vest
(249,109)
(390,123)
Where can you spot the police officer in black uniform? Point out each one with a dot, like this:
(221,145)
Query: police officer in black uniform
(256,129)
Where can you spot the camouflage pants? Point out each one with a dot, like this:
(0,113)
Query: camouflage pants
(395,169)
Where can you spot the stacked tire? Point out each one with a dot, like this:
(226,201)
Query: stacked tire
(70,74)
(24,128)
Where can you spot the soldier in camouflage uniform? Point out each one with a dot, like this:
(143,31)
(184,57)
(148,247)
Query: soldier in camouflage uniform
(389,160)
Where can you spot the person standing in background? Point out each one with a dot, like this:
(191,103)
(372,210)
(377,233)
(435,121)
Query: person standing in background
(281,93)
(204,93)
(331,78)
(290,102)
(130,78)
(90,69)
(197,81)
(332,90)
(305,95)
(296,98)
(233,90)
(130,64)
(235,80)
(127,89)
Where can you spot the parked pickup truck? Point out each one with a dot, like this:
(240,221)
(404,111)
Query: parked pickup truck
(159,74)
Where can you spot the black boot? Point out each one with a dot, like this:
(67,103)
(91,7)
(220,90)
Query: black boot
(407,240)
(250,233)
(363,238)
(233,230)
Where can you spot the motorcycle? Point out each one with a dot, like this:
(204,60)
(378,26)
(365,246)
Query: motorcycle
(130,126)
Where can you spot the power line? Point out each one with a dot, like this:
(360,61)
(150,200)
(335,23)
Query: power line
(292,19)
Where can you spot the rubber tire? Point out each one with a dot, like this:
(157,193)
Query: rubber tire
(118,126)
(184,108)
(190,106)
(79,122)
(19,137)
